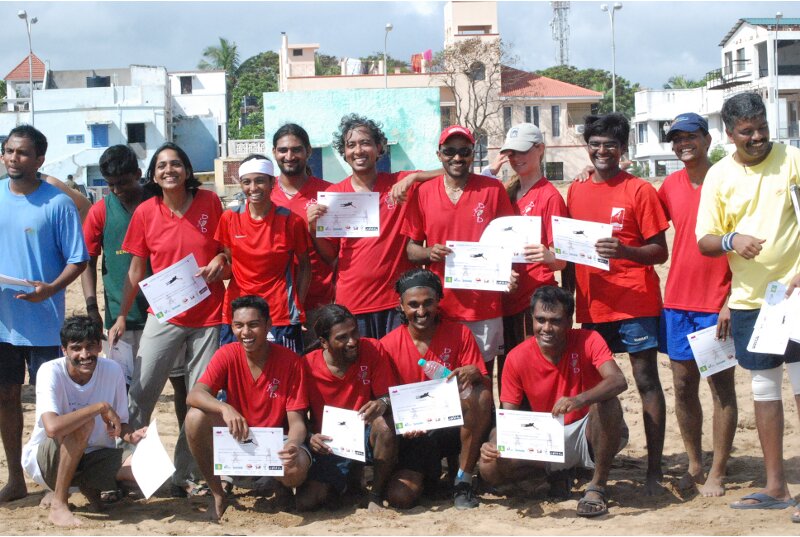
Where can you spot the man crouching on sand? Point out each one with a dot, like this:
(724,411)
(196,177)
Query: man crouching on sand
(266,388)
(77,447)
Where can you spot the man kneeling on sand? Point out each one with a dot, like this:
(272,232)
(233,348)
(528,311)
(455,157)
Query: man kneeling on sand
(265,388)
(81,409)
(567,372)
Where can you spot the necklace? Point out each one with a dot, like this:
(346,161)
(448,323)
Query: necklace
(453,192)
(288,194)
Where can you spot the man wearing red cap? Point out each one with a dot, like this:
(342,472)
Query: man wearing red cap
(458,206)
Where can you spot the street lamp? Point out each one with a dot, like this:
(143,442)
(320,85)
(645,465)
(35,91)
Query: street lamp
(22,14)
(604,7)
(778,17)
(385,62)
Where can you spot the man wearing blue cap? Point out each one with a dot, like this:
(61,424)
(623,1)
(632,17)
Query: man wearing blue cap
(696,291)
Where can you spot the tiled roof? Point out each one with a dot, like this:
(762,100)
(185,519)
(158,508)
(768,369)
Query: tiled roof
(516,83)
(20,72)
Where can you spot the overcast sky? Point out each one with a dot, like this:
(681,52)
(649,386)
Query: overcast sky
(655,40)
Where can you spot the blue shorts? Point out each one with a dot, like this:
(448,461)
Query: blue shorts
(334,470)
(13,360)
(290,336)
(676,325)
(628,335)
(378,323)
(742,324)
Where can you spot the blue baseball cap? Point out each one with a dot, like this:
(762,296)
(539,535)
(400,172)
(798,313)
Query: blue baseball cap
(688,122)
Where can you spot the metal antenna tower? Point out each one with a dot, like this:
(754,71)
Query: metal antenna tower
(560,28)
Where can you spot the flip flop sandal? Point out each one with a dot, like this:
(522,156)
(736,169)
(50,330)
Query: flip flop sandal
(592,503)
(112,496)
(764,501)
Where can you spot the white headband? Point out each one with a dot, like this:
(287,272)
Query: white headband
(257,165)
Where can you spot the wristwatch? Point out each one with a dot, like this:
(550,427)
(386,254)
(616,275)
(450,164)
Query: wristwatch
(385,400)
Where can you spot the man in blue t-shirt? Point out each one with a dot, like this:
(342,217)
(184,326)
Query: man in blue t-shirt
(41,241)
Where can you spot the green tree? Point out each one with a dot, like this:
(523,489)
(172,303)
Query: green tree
(392,62)
(681,82)
(224,57)
(717,154)
(2,89)
(326,65)
(597,80)
(255,76)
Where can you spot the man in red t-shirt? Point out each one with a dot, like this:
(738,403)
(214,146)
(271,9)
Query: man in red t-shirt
(695,298)
(424,334)
(568,372)
(624,302)
(265,385)
(458,206)
(352,373)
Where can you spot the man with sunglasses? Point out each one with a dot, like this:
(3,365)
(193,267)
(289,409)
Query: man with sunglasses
(623,303)
(458,206)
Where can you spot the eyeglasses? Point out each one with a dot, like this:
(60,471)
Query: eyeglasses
(608,146)
(463,152)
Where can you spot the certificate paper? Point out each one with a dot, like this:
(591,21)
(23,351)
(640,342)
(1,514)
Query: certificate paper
(772,329)
(350,214)
(346,428)
(151,464)
(424,406)
(122,353)
(258,455)
(514,233)
(711,354)
(574,241)
(475,265)
(10,280)
(175,289)
(533,436)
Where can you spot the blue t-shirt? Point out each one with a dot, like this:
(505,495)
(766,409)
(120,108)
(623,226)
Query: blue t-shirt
(39,235)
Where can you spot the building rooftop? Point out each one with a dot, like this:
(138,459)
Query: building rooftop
(516,83)
(767,22)
(21,71)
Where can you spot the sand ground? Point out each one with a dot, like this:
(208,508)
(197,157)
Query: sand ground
(519,510)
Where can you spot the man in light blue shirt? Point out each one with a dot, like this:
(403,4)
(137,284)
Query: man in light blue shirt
(40,241)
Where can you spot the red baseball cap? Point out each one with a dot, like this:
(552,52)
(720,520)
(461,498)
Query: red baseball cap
(456,130)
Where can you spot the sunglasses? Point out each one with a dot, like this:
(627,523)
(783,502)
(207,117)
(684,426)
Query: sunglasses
(452,151)
(608,146)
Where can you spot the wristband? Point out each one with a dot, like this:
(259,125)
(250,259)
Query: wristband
(385,400)
(727,241)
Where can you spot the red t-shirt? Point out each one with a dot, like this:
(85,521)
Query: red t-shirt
(432,216)
(263,260)
(695,282)
(263,402)
(93,228)
(369,266)
(628,290)
(527,372)
(543,199)
(453,346)
(368,378)
(165,239)
(320,290)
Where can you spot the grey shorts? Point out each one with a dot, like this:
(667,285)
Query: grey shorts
(577,452)
(96,470)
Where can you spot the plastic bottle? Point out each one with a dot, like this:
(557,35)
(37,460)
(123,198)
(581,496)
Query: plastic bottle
(435,370)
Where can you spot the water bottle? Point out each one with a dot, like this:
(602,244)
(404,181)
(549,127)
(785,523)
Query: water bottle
(435,370)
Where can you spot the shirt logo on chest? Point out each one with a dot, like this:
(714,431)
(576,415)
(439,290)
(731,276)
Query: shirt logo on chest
(201,223)
(574,363)
(528,208)
(364,374)
(617,218)
(390,204)
(273,388)
(445,357)
(478,211)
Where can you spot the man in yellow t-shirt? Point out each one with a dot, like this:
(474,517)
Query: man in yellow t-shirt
(746,213)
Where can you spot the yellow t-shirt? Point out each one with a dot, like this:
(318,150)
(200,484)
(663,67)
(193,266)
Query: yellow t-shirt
(754,200)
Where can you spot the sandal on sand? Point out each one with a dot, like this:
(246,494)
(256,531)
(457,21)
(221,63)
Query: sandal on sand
(796,517)
(190,489)
(587,506)
(112,496)
(227,484)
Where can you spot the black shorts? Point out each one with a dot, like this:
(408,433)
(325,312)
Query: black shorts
(13,360)
(424,454)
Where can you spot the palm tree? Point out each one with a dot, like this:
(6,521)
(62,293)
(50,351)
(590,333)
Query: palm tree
(225,57)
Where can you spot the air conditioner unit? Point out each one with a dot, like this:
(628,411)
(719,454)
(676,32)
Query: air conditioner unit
(579,129)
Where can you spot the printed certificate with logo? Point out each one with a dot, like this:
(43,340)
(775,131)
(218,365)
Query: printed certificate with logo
(574,241)
(533,436)
(175,289)
(258,455)
(346,428)
(475,265)
(514,233)
(424,406)
(712,355)
(776,321)
(350,214)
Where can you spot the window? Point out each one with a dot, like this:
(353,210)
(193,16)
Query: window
(297,52)
(554,171)
(99,135)
(555,120)
(186,85)
(135,133)
(663,129)
(506,118)
(447,116)
(75,138)
(740,59)
(532,115)
(642,130)
(577,112)
(477,71)
(481,159)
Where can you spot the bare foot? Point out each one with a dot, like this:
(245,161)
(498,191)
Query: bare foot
(47,500)
(217,507)
(688,481)
(653,486)
(375,507)
(713,487)
(60,515)
(13,491)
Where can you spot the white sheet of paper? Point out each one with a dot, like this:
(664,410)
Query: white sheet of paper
(574,240)
(712,355)
(346,428)
(514,233)
(258,455)
(10,280)
(533,436)
(350,214)
(475,265)
(175,289)
(424,406)
(150,462)
(122,353)
(772,329)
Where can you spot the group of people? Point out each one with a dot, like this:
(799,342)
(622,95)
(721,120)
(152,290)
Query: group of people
(306,322)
